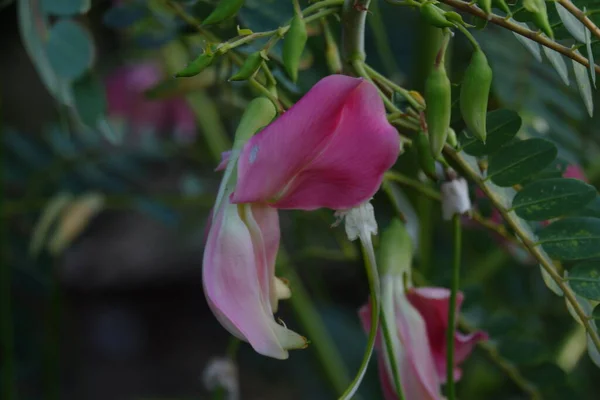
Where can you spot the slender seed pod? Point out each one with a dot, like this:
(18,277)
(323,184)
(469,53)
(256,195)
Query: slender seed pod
(224,10)
(486,6)
(435,16)
(501,4)
(540,19)
(293,46)
(439,102)
(200,63)
(249,67)
(332,53)
(451,139)
(424,156)
(474,94)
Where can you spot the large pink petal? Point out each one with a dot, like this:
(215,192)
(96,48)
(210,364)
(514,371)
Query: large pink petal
(234,270)
(329,150)
(432,303)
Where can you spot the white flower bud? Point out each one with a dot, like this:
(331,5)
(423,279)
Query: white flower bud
(222,372)
(455,198)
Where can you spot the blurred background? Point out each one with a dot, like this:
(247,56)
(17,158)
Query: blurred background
(108,180)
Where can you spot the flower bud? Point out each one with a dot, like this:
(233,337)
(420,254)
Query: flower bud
(486,6)
(225,9)
(438,99)
(199,64)
(293,46)
(424,156)
(455,198)
(452,140)
(395,250)
(249,67)
(540,19)
(501,4)
(435,16)
(474,94)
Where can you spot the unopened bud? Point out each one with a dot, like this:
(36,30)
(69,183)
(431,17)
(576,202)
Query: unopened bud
(455,198)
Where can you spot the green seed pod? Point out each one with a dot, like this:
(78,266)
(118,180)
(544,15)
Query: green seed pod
(456,18)
(435,16)
(540,19)
(395,250)
(200,63)
(501,4)
(424,156)
(474,94)
(259,113)
(293,46)
(452,140)
(249,67)
(486,6)
(438,112)
(225,9)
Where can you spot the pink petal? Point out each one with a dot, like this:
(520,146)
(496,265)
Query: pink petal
(236,282)
(418,375)
(574,171)
(329,150)
(432,303)
(224,160)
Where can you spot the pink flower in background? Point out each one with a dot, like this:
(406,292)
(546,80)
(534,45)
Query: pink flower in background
(125,88)
(330,150)
(421,320)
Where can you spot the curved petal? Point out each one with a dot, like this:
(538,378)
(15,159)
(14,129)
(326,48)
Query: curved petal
(432,303)
(237,285)
(329,150)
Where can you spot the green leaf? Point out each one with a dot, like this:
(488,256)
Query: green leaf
(530,45)
(90,99)
(583,84)
(502,126)
(558,62)
(596,313)
(584,279)
(551,198)
(592,209)
(70,49)
(66,7)
(513,163)
(49,215)
(573,25)
(573,238)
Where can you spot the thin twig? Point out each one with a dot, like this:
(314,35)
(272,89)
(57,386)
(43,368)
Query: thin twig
(535,36)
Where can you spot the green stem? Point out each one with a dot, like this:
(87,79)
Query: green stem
(412,183)
(324,346)
(397,88)
(452,308)
(354,15)
(381,40)
(468,35)
(375,290)
(387,328)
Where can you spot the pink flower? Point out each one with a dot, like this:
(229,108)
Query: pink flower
(419,339)
(125,89)
(329,150)
(239,277)
(574,171)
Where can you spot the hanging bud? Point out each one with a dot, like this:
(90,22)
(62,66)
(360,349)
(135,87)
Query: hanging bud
(455,198)
(293,46)
(501,4)
(224,10)
(452,140)
(424,156)
(540,19)
(486,6)
(474,94)
(434,15)
(249,67)
(198,65)
(395,250)
(439,103)
(332,53)
(456,18)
